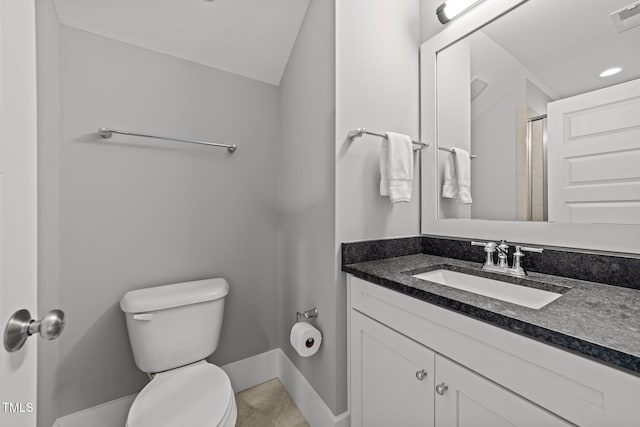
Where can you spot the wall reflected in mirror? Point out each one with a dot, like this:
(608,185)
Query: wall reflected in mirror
(554,141)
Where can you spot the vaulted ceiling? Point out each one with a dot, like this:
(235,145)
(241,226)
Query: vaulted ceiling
(252,38)
(567,43)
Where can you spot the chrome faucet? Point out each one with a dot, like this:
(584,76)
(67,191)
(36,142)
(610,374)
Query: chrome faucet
(503,249)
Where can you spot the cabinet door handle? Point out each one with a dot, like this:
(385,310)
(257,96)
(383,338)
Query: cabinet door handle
(420,375)
(442,388)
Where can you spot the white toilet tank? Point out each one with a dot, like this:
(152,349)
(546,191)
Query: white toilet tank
(174,325)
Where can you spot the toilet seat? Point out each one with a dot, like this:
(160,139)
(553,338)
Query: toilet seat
(197,395)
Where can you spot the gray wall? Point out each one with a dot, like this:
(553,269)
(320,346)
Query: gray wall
(377,87)
(130,213)
(136,212)
(327,186)
(306,197)
(429,24)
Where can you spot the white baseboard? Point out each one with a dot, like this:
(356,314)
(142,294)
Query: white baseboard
(253,370)
(109,414)
(308,401)
(243,374)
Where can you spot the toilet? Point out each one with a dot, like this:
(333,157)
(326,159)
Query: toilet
(172,329)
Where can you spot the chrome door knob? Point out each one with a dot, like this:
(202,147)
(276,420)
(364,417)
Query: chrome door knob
(50,327)
(421,375)
(442,388)
(21,326)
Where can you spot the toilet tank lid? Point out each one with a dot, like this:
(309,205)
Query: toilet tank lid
(175,295)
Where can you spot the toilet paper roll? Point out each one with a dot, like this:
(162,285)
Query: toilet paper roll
(305,339)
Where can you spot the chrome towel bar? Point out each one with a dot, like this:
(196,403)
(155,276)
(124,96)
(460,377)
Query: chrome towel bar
(361,131)
(473,156)
(108,133)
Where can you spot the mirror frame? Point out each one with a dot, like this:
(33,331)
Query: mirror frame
(595,237)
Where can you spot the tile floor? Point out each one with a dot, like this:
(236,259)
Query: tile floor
(268,405)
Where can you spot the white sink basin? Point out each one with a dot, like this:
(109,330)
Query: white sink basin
(516,294)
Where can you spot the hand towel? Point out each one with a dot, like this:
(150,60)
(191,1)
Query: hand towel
(450,185)
(396,167)
(463,174)
(384,169)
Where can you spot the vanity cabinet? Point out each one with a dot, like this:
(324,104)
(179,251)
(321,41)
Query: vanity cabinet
(470,400)
(392,377)
(413,363)
(394,382)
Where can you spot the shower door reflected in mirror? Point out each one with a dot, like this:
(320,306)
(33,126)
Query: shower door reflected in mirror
(496,92)
(531,166)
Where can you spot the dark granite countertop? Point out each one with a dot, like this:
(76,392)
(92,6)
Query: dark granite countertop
(594,320)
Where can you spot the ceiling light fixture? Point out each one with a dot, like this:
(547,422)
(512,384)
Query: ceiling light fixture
(452,8)
(610,71)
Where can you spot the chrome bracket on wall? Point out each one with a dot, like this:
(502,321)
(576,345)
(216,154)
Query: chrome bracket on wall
(307,314)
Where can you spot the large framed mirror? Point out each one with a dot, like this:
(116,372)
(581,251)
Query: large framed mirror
(555,146)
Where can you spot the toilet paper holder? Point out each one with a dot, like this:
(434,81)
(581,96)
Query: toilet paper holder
(309,314)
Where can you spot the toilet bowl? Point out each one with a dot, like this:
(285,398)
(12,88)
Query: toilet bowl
(194,395)
(172,328)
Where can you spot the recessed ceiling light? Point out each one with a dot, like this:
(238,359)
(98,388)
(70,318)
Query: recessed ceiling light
(610,72)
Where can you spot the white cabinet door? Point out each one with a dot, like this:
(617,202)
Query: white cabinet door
(594,156)
(470,400)
(385,369)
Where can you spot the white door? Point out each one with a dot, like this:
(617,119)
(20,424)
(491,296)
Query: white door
(18,216)
(391,377)
(465,399)
(594,156)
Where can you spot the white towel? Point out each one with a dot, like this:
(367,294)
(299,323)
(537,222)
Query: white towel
(396,167)
(450,185)
(463,174)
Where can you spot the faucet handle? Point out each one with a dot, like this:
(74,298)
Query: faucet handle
(530,249)
(503,249)
(489,248)
(517,267)
(517,257)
